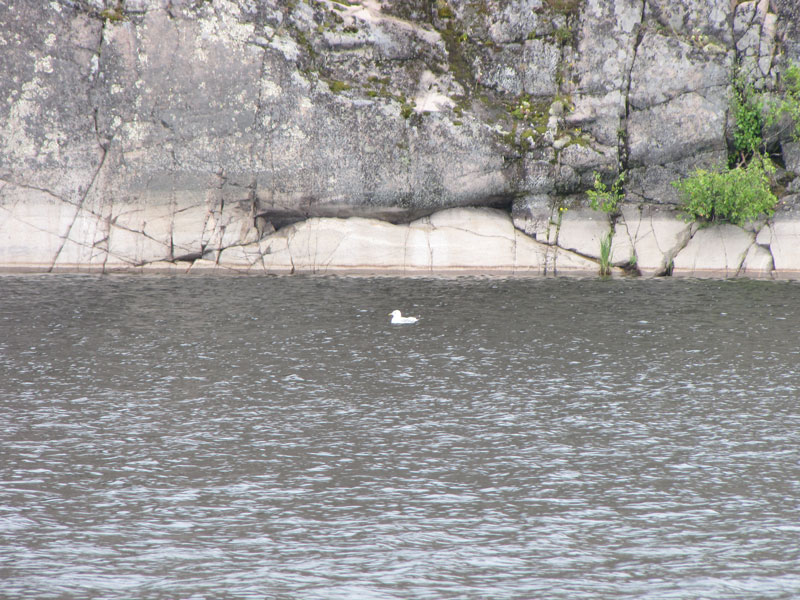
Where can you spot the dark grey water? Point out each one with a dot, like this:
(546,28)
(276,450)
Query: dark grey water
(277,438)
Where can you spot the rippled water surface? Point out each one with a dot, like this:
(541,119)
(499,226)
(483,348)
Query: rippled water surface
(277,438)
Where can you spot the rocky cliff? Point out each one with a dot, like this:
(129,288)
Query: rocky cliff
(398,134)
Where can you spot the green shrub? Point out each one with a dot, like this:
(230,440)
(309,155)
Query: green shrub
(747,107)
(737,195)
(602,198)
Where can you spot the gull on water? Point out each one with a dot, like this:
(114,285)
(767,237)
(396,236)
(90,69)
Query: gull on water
(399,319)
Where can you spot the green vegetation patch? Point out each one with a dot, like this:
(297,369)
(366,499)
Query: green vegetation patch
(605,254)
(459,64)
(338,86)
(528,110)
(789,105)
(753,112)
(113,15)
(732,195)
(563,36)
(564,7)
(407,108)
(444,10)
(742,191)
(747,108)
(604,198)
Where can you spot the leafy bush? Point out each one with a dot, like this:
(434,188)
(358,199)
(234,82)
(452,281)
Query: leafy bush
(741,192)
(747,108)
(602,198)
(789,104)
(735,196)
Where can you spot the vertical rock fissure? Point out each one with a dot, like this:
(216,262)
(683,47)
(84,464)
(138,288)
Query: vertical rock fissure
(514,252)
(92,82)
(623,148)
(430,248)
(670,260)
(258,125)
(219,226)
(740,267)
(103,142)
(78,211)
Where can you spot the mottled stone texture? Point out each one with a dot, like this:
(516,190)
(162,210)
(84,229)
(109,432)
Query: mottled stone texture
(175,132)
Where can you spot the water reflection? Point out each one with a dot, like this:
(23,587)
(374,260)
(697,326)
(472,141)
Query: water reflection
(275,437)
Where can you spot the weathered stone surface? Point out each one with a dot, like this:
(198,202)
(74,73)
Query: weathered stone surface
(782,236)
(706,21)
(452,240)
(320,244)
(242,115)
(607,43)
(539,176)
(652,236)
(33,225)
(666,67)
(515,21)
(49,137)
(754,30)
(758,262)
(581,230)
(605,56)
(585,157)
(468,237)
(537,216)
(653,184)
(167,268)
(530,68)
(789,27)
(791,156)
(717,250)
(689,124)
(45,233)
(603,116)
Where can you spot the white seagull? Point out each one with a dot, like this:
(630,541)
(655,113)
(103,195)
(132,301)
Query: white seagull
(399,319)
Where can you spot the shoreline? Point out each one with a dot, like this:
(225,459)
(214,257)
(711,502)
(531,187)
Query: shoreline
(647,242)
(371,272)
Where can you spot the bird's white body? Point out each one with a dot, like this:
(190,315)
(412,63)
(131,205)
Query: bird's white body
(399,319)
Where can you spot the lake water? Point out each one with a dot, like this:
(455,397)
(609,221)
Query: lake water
(275,437)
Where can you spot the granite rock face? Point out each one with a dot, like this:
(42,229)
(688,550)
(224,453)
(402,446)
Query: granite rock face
(163,133)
